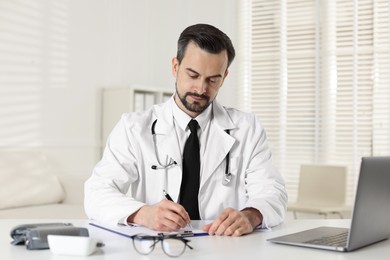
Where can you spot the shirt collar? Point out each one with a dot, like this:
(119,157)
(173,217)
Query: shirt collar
(182,119)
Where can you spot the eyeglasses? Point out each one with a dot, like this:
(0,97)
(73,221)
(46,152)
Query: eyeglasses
(172,245)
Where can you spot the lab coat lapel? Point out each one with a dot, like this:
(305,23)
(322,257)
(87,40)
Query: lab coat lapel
(167,144)
(219,142)
(168,147)
(166,138)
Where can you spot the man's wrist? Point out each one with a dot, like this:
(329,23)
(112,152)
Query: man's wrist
(254,216)
(135,217)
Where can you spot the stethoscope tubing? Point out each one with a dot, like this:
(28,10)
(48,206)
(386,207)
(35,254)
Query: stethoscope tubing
(227,177)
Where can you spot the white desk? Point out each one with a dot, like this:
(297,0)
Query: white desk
(252,246)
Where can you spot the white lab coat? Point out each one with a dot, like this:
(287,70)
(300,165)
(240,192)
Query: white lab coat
(130,153)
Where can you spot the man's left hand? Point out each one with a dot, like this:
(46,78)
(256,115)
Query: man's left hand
(232,222)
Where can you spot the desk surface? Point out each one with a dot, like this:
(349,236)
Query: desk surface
(252,246)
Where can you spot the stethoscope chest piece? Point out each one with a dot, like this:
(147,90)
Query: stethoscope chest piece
(227,178)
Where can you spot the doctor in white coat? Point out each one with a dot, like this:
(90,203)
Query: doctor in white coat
(239,187)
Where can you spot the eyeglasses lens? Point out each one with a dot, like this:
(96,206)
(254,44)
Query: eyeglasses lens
(173,247)
(144,246)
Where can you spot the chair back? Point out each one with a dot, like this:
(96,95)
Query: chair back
(322,185)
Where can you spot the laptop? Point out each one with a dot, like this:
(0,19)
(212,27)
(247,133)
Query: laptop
(370,217)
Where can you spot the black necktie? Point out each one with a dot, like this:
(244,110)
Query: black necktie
(191,170)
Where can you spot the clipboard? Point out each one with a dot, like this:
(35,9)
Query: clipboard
(129,231)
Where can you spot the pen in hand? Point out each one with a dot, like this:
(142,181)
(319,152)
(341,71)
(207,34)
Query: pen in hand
(168,197)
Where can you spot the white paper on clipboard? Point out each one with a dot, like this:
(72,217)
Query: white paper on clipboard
(129,231)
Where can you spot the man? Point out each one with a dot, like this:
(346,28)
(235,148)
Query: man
(228,176)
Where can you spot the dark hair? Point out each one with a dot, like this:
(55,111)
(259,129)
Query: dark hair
(208,38)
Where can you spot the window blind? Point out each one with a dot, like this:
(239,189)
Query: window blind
(316,73)
(33,57)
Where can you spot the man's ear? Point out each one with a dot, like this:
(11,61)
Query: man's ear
(224,76)
(175,66)
(226,73)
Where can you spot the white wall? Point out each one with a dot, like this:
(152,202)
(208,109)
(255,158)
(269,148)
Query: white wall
(79,47)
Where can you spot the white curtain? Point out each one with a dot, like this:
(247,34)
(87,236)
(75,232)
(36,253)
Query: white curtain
(316,73)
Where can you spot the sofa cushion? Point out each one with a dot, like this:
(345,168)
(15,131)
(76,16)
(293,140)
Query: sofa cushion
(27,179)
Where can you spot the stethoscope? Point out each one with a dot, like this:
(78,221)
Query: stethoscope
(161,165)
(227,176)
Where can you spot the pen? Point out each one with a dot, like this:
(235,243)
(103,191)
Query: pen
(168,197)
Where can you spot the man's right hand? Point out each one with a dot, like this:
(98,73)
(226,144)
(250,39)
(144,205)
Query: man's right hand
(163,216)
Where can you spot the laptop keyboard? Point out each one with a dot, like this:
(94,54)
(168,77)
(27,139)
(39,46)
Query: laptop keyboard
(337,240)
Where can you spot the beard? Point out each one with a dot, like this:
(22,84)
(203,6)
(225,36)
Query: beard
(196,106)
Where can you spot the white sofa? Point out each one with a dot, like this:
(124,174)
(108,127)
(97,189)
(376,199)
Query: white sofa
(31,188)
